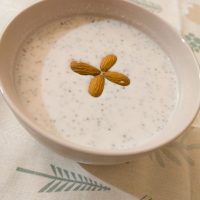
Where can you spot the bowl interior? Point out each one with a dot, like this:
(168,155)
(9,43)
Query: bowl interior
(182,58)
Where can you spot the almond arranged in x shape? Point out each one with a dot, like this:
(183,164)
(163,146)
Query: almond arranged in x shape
(117,78)
(84,68)
(107,62)
(97,83)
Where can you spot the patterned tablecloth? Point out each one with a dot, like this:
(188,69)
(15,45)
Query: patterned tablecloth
(30,171)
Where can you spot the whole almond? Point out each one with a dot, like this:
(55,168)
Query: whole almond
(84,68)
(97,85)
(117,78)
(107,62)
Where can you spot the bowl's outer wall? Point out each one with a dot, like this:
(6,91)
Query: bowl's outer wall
(45,11)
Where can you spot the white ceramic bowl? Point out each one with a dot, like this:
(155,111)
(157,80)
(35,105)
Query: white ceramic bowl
(184,62)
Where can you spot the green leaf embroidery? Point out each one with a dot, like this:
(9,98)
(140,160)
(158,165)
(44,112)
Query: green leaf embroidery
(51,189)
(159,158)
(175,152)
(62,187)
(193,41)
(70,187)
(73,175)
(149,5)
(66,173)
(171,156)
(60,171)
(46,186)
(83,188)
(186,156)
(80,177)
(77,188)
(62,180)
(193,146)
(53,169)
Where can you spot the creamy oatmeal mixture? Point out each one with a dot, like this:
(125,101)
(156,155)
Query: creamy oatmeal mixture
(58,100)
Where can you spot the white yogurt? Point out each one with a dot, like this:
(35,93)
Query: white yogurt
(58,99)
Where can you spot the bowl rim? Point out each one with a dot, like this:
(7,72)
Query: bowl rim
(81,148)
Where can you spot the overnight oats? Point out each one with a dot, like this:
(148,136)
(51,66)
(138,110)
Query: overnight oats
(128,97)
